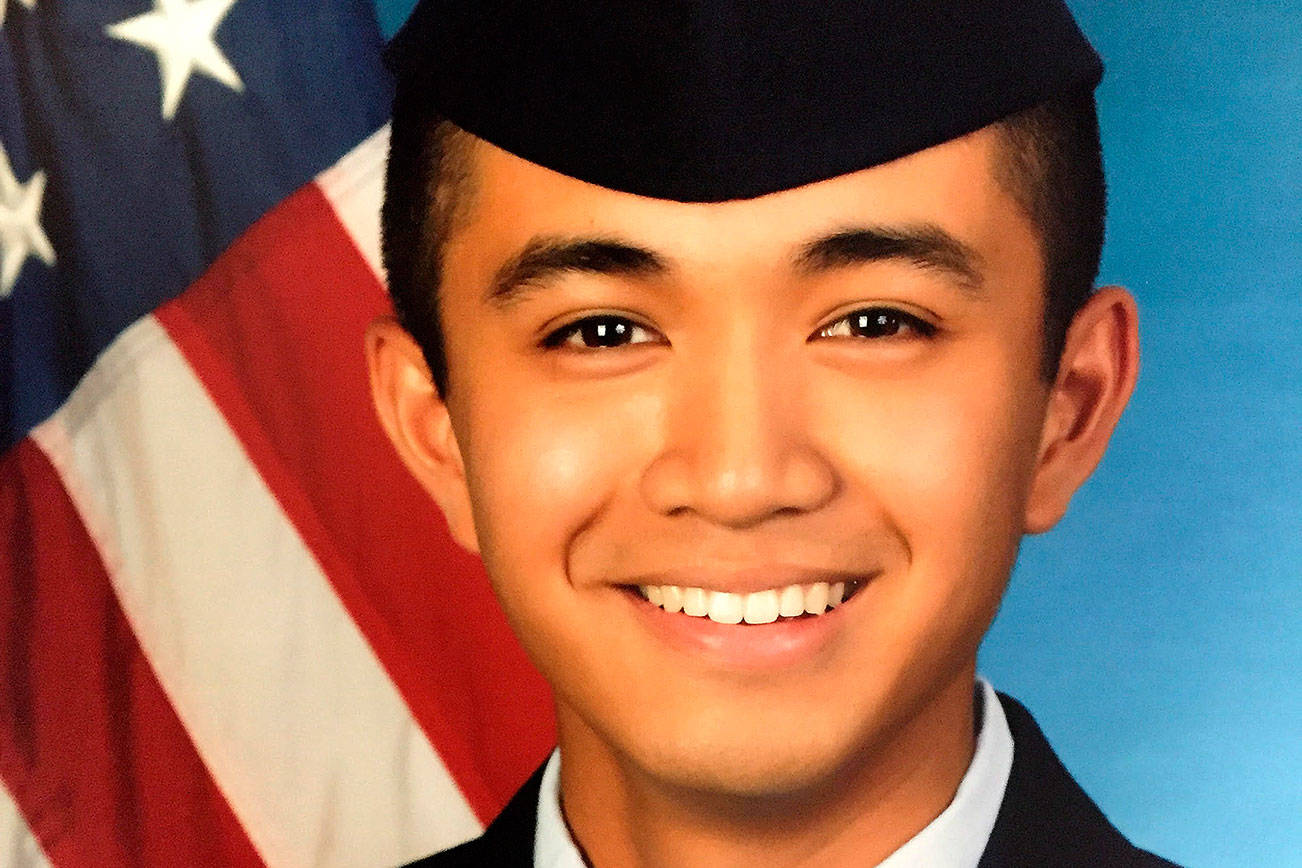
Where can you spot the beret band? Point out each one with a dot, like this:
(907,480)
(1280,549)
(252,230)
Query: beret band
(713,100)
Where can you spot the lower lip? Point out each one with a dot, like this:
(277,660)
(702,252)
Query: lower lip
(784,643)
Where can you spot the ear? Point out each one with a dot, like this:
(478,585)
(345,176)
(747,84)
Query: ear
(1096,375)
(416,419)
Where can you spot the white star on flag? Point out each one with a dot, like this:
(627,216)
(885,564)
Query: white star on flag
(21,234)
(30,4)
(181,33)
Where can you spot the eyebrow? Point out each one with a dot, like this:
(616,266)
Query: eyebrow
(545,258)
(925,245)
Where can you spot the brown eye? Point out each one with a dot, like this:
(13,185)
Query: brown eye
(877,322)
(599,332)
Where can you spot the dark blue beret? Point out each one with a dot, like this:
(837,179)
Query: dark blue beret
(708,100)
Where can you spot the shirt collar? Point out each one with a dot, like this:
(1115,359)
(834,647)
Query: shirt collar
(955,839)
(552,845)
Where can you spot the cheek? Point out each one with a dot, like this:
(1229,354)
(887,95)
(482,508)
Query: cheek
(541,465)
(542,473)
(946,456)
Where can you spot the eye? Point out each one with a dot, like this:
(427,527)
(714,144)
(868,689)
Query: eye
(877,323)
(599,332)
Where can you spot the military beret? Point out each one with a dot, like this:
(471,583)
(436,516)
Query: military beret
(709,100)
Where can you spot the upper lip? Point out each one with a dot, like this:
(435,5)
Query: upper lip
(748,579)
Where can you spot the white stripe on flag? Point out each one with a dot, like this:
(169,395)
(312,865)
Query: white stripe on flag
(291,711)
(355,188)
(18,846)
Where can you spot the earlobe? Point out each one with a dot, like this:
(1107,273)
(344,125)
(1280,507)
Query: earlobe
(417,422)
(1096,376)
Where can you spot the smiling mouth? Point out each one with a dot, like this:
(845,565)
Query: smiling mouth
(758,607)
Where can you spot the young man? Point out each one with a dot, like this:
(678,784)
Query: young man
(744,341)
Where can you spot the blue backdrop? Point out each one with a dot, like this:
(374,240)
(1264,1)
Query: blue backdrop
(1157,632)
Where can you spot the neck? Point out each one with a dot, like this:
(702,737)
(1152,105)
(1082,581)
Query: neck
(623,817)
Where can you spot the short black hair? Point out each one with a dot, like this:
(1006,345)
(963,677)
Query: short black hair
(1051,163)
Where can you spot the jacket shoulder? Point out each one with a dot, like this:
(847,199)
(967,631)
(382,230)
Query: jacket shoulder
(455,858)
(506,843)
(1046,818)
(471,853)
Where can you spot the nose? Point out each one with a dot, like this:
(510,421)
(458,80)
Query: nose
(737,450)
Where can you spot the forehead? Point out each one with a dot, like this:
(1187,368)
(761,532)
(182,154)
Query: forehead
(509,201)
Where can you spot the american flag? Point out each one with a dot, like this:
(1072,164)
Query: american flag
(232,629)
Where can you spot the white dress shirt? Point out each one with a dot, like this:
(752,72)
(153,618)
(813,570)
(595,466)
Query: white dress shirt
(955,839)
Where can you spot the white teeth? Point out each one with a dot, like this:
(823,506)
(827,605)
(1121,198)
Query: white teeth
(816,598)
(725,608)
(760,607)
(835,594)
(792,603)
(695,602)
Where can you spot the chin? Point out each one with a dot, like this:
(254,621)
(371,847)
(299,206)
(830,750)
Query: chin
(769,762)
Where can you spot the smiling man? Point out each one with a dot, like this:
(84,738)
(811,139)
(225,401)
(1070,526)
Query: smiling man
(744,341)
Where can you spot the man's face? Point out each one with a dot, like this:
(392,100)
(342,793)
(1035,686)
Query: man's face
(838,383)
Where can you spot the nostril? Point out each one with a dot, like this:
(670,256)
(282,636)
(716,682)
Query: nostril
(739,488)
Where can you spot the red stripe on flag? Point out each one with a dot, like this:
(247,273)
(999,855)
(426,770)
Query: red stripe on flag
(90,747)
(274,330)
